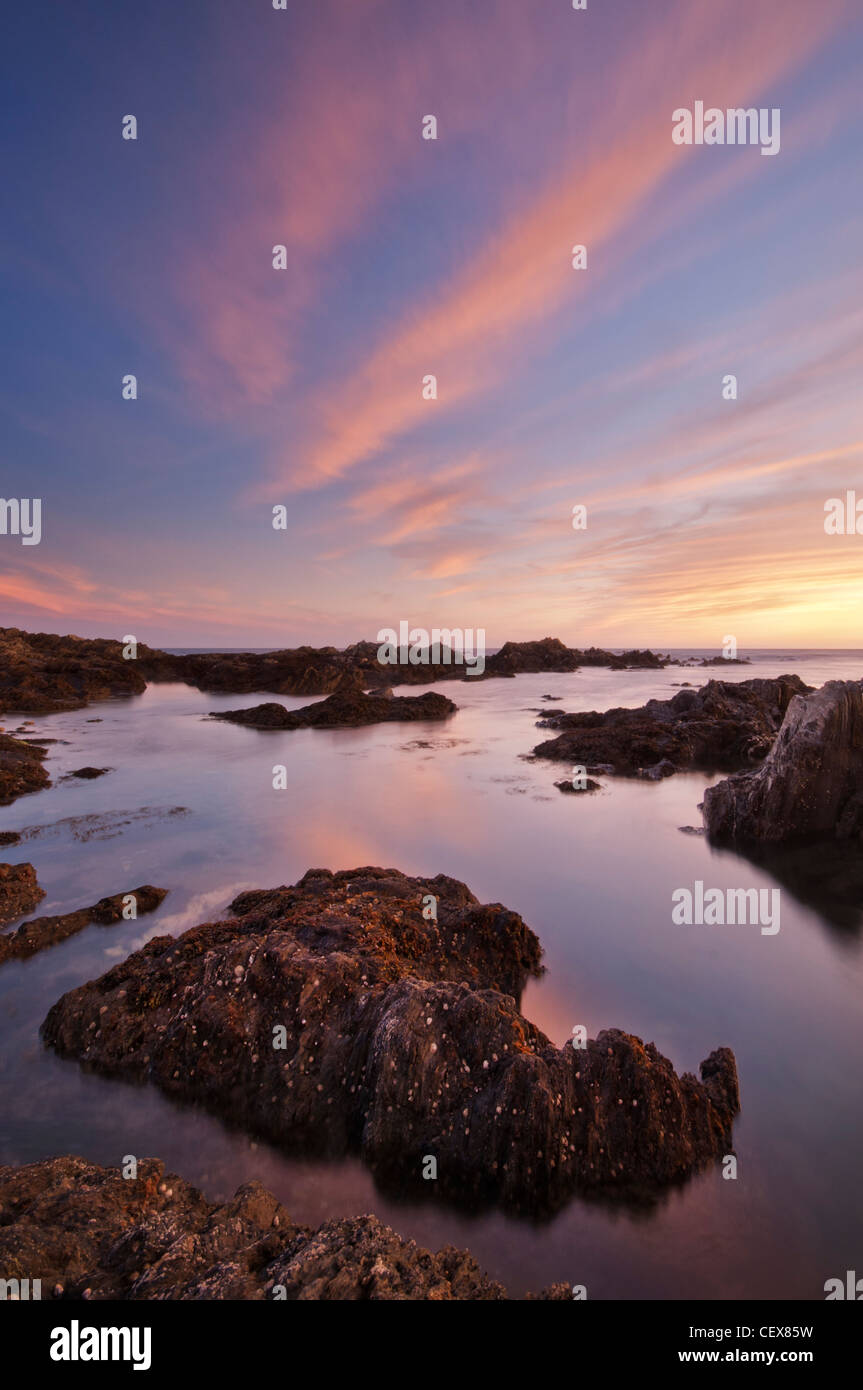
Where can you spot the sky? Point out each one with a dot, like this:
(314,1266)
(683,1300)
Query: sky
(407,257)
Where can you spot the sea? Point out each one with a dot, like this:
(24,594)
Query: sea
(189,805)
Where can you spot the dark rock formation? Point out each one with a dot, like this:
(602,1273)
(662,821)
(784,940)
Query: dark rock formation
(347,709)
(21,769)
(32,937)
(87,774)
(86,1231)
(332,1016)
(41,673)
(19,893)
(722,726)
(590,786)
(811,783)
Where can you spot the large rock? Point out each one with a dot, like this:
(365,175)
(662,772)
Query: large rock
(346,709)
(332,1016)
(86,1231)
(722,726)
(811,783)
(41,673)
(19,893)
(35,936)
(21,769)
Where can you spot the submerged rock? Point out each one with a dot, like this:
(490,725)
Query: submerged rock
(722,726)
(811,783)
(86,1231)
(35,936)
(344,710)
(333,1016)
(87,774)
(19,893)
(21,769)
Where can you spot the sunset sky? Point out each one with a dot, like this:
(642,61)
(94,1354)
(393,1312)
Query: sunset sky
(406,257)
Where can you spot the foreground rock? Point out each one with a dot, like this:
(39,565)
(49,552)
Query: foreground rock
(349,709)
(723,726)
(21,769)
(811,783)
(19,893)
(332,1016)
(86,1231)
(35,936)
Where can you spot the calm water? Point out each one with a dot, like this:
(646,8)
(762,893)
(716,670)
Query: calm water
(592,876)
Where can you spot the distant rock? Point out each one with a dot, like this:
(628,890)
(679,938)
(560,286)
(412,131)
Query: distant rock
(19,893)
(88,773)
(348,709)
(590,786)
(35,936)
(723,726)
(156,1237)
(811,783)
(333,1017)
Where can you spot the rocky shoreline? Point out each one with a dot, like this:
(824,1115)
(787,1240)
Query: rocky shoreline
(42,673)
(87,1232)
(333,1016)
(721,727)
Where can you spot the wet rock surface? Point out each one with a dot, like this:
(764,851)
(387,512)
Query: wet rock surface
(86,1231)
(19,893)
(348,709)
(811,783)
(332,1016)
(21,769)
(722,726)
(35,936)
(87,774)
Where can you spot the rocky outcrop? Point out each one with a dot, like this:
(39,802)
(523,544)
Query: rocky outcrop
(21,770)
(810,785)
(348,709)
(35,936)
(89,1233)
(41,673)
(19,893)
(723,726)
(335,1016)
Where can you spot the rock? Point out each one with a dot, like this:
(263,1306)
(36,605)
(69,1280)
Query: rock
(811,783)
(21,769)
(9,837)
(402,1039)
(19,893)
(659,771)
(88,773)
(722,726)
(344,710)
(83,1229)
(590,786)
(42,673)
(35,936)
